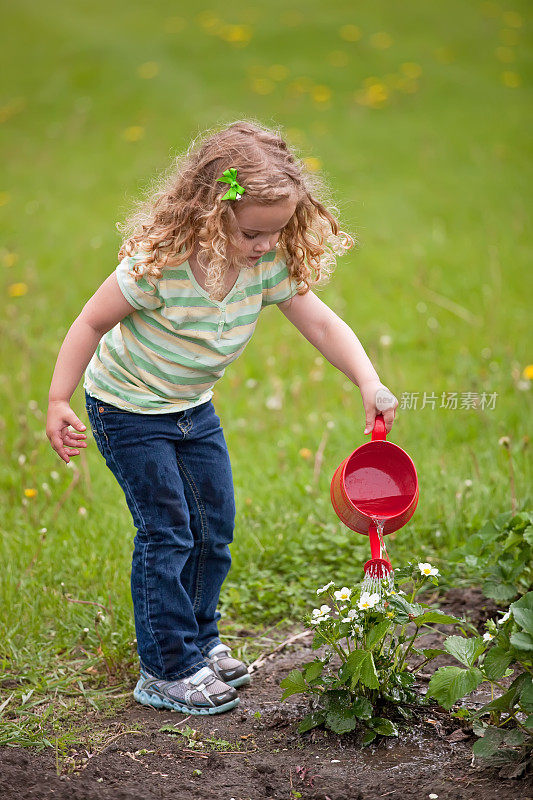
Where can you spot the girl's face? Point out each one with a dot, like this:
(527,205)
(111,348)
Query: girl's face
(259,227)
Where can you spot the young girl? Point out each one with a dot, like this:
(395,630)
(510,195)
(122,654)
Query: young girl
(234,228)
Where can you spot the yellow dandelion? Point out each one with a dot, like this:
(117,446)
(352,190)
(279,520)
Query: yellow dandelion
(4,198)
(505,54)
(238,35)
(528,372)
(350,33)
(509,37)
(411,69)
(511,79)
(313,164)
(512,19)
(10,259)
(321,94)
(374,95)
(17,289)
(278,72)
(263,86)
(30,492)
(381,40)
(174,24)
(338,58)
(148,70)
(305,453)
(133,133)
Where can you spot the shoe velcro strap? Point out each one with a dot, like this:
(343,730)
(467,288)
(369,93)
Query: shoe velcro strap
(219,649)
(200,676)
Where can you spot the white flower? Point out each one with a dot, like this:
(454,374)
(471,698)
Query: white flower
(325,588)
(316,620)
(427,569)
(343,594)
(488,637)
(504,618)
(351,614)
(319,612)
(368,600)
(433,796)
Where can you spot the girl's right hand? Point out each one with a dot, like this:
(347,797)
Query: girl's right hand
(64,441)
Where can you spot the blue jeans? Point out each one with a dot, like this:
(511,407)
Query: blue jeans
(175,472)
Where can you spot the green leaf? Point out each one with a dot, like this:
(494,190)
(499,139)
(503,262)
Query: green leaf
(369,676)
(313,669)
(528,723)
(294,683)
(464,650)
(502,592)
(368,737)
(311,721)
(359,666)
(351,668)
(377,633)
(507,699)
(522,641)
(514,738)
(432,652)
(383,726)
(339,722)
(403,609)
(362,708)
(436,616)
(496,662)
(524,617)
(489,744)
(526,695)
(449,684)
(528,535)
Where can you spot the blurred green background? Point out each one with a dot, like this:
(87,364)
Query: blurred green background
(418,116)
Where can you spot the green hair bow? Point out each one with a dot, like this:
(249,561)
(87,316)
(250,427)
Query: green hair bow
(235,192)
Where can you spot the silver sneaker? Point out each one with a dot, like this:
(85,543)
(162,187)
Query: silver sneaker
(230,670)
(201,693)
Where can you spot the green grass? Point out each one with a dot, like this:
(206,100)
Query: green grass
(435,184)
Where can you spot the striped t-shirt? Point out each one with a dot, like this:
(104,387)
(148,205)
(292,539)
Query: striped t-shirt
(167,355)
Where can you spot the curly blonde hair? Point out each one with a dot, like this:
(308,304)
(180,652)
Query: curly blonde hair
(185,209)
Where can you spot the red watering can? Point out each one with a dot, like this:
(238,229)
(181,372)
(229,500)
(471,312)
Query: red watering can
(375,492)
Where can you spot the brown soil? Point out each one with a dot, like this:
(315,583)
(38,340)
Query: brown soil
(267,758)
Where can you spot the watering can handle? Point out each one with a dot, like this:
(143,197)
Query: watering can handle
(379,433)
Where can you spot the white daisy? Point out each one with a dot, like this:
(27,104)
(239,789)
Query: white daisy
(343,594)
(427,569)
(367,601)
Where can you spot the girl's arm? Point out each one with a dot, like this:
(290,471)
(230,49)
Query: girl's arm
(340,346)
(105,308)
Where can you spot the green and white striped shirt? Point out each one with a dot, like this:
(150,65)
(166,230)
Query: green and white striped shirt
(167,355)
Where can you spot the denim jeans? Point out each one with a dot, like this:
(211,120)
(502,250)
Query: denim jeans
(175,472)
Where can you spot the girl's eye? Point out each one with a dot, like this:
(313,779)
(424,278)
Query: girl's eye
(247,236)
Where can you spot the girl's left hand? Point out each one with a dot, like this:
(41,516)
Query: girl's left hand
(378,399)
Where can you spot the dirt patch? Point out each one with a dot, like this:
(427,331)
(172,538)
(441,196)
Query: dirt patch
(264,756)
